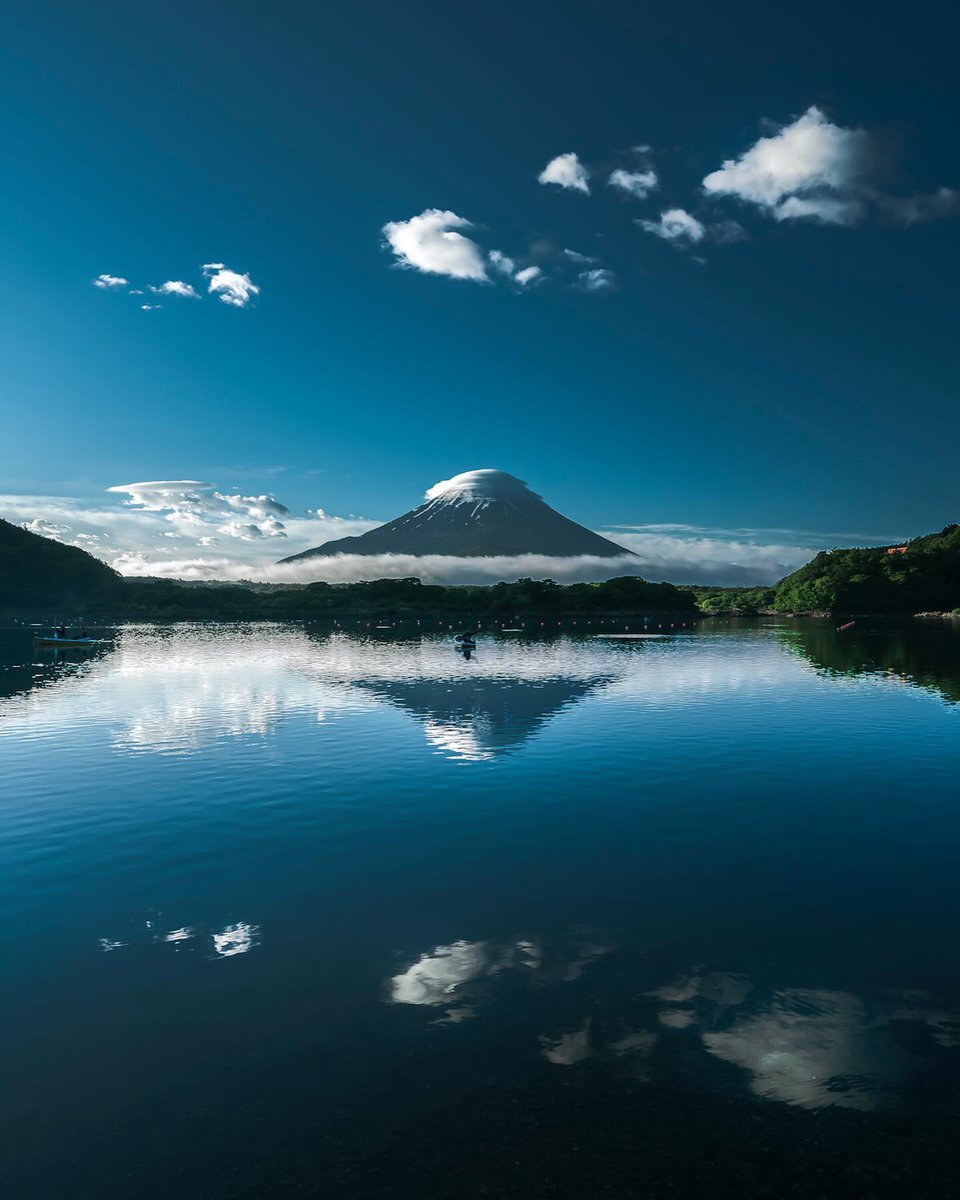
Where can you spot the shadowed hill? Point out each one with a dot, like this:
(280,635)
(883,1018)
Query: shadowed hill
(37,571)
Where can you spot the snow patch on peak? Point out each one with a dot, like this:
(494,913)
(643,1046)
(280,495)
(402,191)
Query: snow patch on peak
(483,484)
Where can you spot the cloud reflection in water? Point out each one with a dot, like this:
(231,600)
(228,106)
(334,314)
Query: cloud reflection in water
(806,1047)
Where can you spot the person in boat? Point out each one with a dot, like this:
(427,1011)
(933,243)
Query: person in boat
(60,631)
(81,633)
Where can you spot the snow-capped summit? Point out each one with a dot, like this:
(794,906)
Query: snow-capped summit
(481,512)
(484,484)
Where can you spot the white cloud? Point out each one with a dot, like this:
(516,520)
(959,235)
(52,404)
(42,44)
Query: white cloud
(725,557)
(351,568)
(135,537)
(709,565)
(828,210)
(597,280)
(176,287)
(502,263)
(110,281)
(815,170)
(576,257)
(150,307)
(811,155)
(528,275)
(566,171)
(188,504)
(430,243)
(44,528)
(232,287)
(676,225)
(637,183)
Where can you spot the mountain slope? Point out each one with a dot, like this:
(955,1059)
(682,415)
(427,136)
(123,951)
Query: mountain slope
(478,513)
(36,570)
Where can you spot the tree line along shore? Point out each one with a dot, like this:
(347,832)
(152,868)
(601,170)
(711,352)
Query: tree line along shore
(39,575)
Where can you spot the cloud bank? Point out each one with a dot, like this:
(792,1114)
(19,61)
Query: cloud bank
(164,523)
(674,554)
(189,505)
(185,528)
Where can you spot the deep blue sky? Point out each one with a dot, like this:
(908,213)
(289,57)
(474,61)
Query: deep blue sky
(806,377)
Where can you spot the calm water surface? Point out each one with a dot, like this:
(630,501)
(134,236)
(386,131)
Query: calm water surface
(288,912)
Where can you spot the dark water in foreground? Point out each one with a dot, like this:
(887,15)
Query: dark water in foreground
(292,914)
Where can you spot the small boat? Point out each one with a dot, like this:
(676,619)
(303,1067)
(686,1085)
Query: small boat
(465,641)
(67,643)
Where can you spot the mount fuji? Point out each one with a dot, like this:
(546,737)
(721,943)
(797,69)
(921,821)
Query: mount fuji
(478,513)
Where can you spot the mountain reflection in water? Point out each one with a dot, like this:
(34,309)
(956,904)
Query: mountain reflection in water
(195,684)
(292,911)
(188,674)
(476,719)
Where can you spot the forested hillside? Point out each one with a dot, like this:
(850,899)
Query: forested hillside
(920,576)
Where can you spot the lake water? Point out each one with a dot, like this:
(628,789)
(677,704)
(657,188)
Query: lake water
(293,912)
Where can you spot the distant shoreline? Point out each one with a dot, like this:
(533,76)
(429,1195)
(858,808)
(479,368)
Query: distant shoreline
(528,622)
